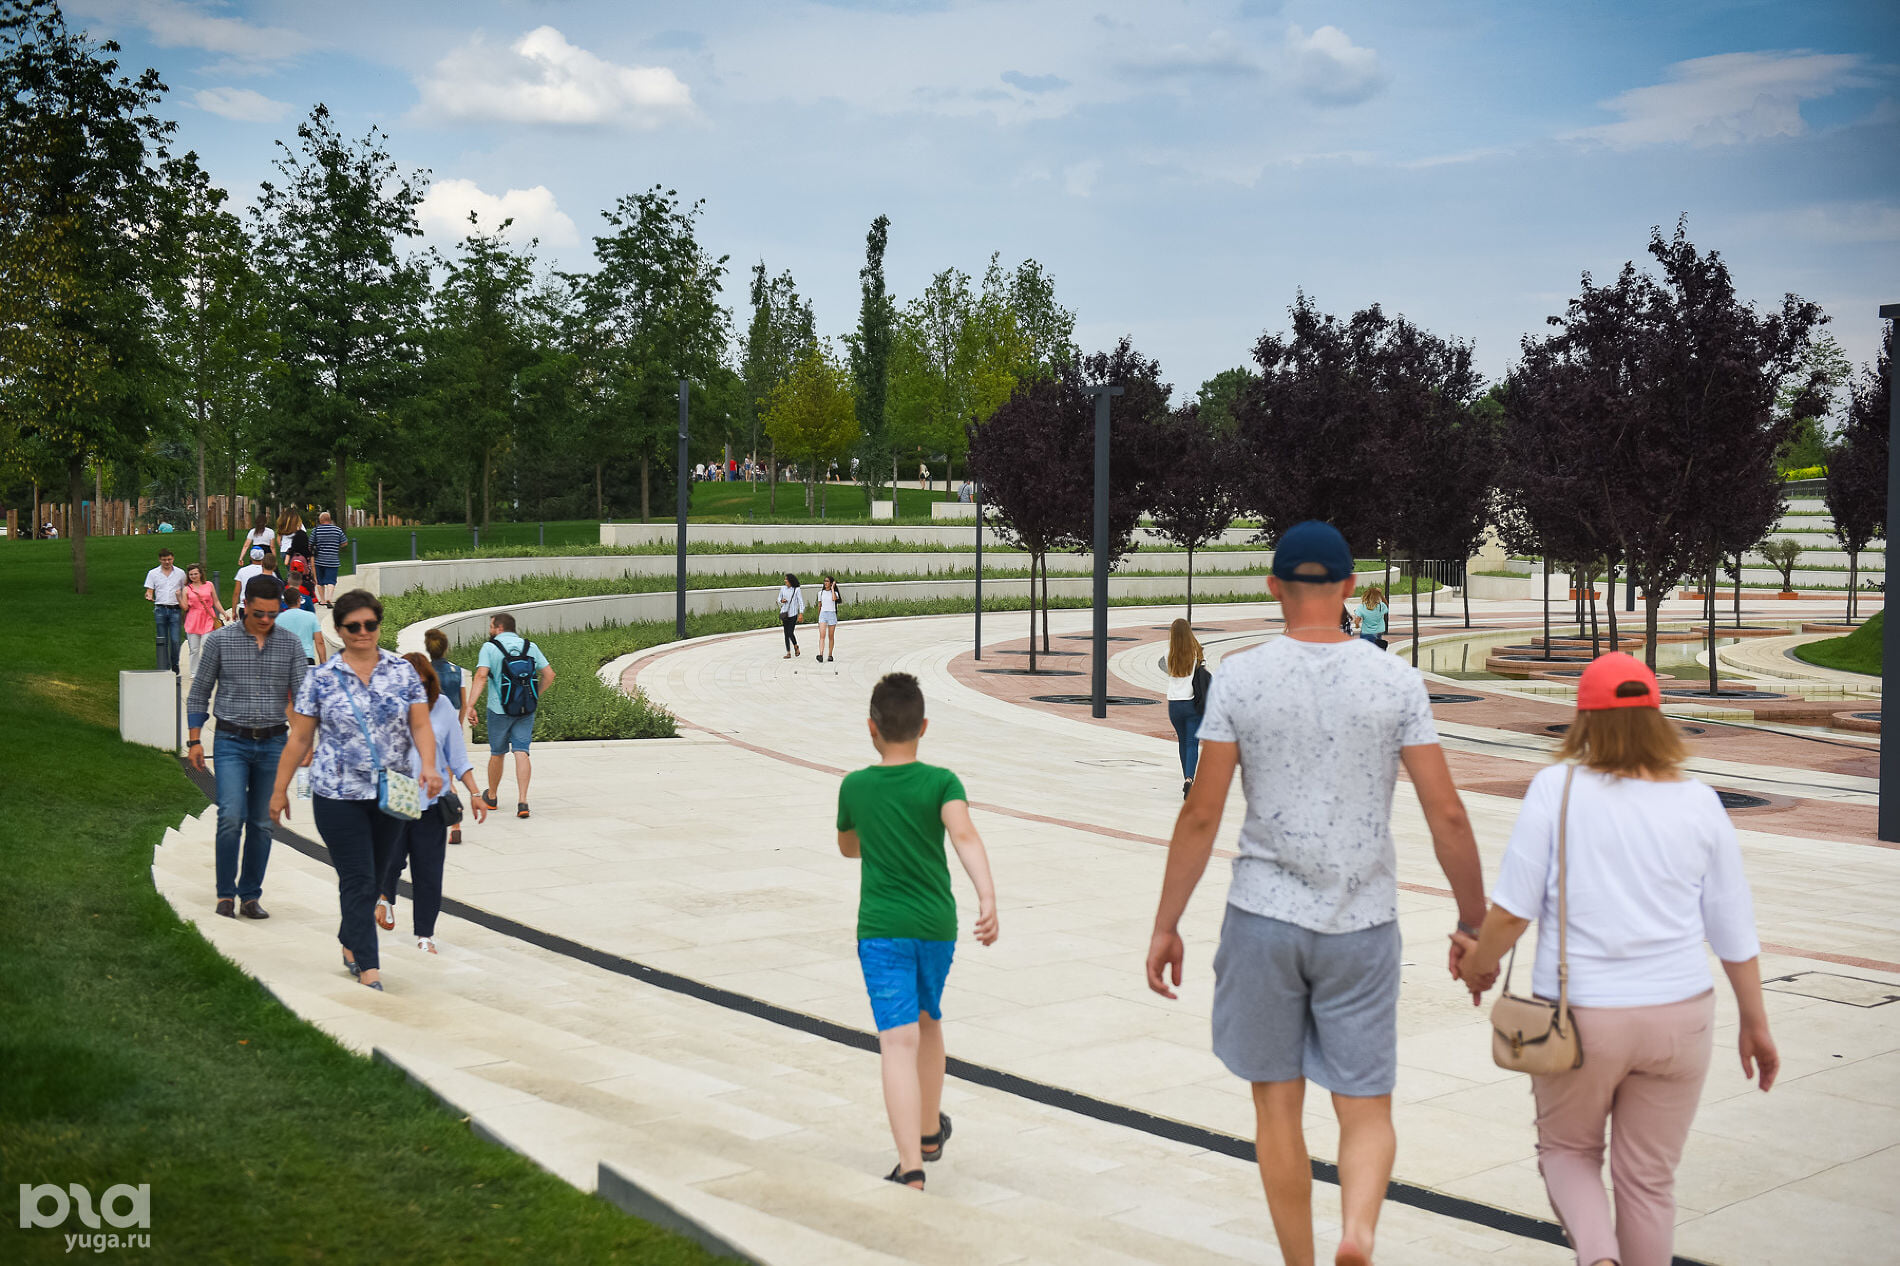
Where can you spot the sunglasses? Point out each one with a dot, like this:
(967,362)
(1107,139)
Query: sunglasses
(361,626)
(255,614)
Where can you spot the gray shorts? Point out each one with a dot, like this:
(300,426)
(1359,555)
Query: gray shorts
(1292,1003)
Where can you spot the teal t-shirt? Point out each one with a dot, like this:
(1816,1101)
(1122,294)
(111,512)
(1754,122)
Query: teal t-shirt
(904,880)
(305,625)
(491,660)
(1372,619)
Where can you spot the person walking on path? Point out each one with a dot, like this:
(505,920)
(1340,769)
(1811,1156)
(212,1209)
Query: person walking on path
(293,542)
(262,563)
(894,815)
(255,668)
(364,711)
(517,675)
(422,842)
(828,600)
(326,556)
(203,611)
(1651,868)
(261,533)
(791,609)
(1372,615)
(164,585)
(1188,681)
(1306,979)
(449,681)
(299,619)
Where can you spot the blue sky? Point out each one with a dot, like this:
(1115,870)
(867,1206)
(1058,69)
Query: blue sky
(1180,166)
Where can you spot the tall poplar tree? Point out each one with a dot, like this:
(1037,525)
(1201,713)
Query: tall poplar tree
(871,360)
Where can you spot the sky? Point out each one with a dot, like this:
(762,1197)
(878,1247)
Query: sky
(1181,167)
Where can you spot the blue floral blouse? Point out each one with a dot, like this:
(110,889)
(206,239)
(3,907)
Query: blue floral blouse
(342,767)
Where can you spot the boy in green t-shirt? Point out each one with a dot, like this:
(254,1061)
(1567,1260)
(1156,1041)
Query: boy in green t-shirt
(894,815)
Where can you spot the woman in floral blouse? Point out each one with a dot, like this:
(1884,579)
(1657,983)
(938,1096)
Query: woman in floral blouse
(383,690)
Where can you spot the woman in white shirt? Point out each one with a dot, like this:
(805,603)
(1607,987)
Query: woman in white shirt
(263,534)
(828,621)
(421,844)
(1653,869)
(1185,659)
(791,609)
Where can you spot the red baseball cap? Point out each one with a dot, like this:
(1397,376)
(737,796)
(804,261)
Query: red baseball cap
(1617,680)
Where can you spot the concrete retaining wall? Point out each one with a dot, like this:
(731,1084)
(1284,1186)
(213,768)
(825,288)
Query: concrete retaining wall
(843,533)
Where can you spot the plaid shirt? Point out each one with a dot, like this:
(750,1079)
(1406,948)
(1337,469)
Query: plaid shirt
(254,685)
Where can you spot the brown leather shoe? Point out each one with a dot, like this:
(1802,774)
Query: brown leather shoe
(251,910)
(226,907)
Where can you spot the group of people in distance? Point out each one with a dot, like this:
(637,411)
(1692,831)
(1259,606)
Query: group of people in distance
(791,613)
(1306,975)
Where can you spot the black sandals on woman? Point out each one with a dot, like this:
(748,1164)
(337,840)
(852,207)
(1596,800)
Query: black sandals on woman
(933,1143)
(350,963)
(903,1179)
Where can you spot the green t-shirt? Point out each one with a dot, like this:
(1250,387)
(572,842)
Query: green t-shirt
(897,811)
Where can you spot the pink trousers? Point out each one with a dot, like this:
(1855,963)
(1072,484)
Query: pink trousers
(1642,1075)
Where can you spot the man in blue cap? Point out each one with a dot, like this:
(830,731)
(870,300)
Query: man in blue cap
(1306,981)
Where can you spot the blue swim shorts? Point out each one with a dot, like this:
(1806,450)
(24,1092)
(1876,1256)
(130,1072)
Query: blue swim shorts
(905,978)
(326,575)
(505,732)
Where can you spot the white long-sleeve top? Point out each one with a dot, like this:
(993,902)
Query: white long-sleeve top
(1654,870)
(791,600)
(451,753)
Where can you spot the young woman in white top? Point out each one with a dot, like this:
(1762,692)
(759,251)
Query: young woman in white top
(791,609)
(1184,657)
(828,621)
(1653,869)
(263,534)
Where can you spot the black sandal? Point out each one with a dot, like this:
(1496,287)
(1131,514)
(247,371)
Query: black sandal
(350,964)
(933,1143)
(902,1179)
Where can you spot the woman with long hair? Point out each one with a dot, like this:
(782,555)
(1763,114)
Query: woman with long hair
(828,599)
(292,541)
(791,609)
(1650,868)
(422,842)
(203,613)
(1371,616)
(360,713)
(1186,705)
(261,533)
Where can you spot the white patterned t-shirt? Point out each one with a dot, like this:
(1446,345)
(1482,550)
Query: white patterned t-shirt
(1319,725)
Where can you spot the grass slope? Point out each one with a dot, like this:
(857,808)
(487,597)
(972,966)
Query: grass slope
(130,1051)
(1858,652)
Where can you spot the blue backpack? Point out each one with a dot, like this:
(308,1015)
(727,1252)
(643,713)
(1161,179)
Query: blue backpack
(518,682)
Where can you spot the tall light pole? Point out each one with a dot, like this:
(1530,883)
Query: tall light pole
(1098,683)
(979,568)
(685,502)
(1889,824)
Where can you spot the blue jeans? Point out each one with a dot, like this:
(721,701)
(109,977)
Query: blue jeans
(170,622)
(246,770)
(1187,730)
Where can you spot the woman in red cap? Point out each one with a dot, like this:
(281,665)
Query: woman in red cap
(1652,870)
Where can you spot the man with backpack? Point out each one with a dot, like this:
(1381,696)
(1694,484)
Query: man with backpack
(517,674)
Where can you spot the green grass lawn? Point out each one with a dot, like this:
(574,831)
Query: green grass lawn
(1858,652)
(132,1052)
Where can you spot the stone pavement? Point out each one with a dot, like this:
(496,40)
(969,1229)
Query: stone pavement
(713,856)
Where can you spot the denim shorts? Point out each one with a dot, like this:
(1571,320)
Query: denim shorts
(904,977)
(327,575)
(505,732)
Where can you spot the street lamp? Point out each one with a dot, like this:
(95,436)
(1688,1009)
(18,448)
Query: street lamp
(685,501)
(1889,824)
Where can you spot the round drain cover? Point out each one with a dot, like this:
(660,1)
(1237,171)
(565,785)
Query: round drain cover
(1040,672)
(1085,700)
(1457,698)
(1740,800)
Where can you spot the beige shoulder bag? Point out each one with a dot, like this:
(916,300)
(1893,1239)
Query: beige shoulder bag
(1530,1035)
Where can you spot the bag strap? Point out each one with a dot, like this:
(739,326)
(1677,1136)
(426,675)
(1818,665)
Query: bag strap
(376,757)
(1563,911)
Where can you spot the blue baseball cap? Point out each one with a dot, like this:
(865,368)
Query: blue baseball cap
(1313,542)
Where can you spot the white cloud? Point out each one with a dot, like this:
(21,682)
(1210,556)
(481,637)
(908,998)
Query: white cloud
(1725,100)
(445,209)
(1078,179)
(241,104)
(541,78)
(1831,223)
(1330,69)
(176,24)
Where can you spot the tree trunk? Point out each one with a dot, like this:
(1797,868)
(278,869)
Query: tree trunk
(342,510)
(1434,598)
(1032,585)
(1190,614)
(1651,604)
(488,478)
(204,538)
(1609,605)
(646,468)
(600,501)
(468,507)
(771,479)
(1415,613)
(1465,591)
(230,517)
(1385,578)
(1738,591)
(1853,583)
(1713,683)
(1596,632)
(1045,604)
(1547,611)
(76,522)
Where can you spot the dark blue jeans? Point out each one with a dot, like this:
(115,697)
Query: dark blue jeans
(424,845)
(170,622)
(245,770)
(1187,730)
(360,838)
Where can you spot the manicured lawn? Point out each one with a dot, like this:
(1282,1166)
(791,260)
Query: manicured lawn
(1858,652)
(131,1052)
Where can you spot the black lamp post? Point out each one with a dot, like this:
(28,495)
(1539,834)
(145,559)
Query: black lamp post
(1889,824)
(1098,682)
(685,500)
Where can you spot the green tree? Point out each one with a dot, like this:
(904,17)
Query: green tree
(1217,396)
(812,416)
(1809,397)
(84,377)
(779,336)
(348,307)
(871,359)
(653,316)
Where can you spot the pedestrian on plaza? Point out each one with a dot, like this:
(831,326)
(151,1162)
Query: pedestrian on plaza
(1645,862)
(297,618)
(448,679)
(262,563)
(203,611)
(361,713)
(791,609)
(1370,619)
(163,586)
(517,675)
(255,670)
(828,600)
(421,842)
(894,816)
(1306,980)
(1188,681)
(261,533)
(293,543)
(326,555)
